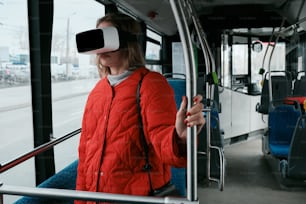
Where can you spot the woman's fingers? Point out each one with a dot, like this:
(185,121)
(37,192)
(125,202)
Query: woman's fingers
(195,119)
(189,118)
(195,115)
(183,106)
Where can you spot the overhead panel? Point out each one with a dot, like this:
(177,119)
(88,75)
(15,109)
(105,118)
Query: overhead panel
(157,14)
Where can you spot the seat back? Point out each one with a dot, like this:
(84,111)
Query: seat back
(300,87)
(179,87)
(282,121)
(178,175)
(297,152)
(263,106)
(281,88)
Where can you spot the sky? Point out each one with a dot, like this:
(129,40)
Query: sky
(82,15)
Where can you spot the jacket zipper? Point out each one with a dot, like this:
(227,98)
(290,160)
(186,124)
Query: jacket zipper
(101,157)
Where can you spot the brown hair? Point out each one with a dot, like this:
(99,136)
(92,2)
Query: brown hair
(133,51)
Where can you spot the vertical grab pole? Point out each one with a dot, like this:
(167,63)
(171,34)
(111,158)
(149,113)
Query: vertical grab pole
(210,67)
(181,21)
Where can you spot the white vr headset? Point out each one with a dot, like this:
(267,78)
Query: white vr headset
(103,40)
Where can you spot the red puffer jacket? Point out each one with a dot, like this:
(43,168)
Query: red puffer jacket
(111,156)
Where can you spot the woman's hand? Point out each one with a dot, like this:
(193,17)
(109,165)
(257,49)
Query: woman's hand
(189,118)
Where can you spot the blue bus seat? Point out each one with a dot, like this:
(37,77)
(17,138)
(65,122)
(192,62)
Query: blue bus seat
(282,121)
(64,179)
(295,166)
(179,87)
(178,178)
(178,175)
(214,112)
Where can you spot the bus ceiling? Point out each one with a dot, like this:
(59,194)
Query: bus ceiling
(218,15)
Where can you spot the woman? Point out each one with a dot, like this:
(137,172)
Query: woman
(111,155)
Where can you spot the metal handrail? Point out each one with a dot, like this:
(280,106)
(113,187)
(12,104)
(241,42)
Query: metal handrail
(270,59)
(220,180)
(86,195)
(181,21)
(36,151)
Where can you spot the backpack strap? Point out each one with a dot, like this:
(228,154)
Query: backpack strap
(147,167)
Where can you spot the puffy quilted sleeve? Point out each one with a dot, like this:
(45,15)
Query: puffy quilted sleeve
(80,183)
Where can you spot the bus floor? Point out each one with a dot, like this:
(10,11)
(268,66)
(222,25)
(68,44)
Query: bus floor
(249,179)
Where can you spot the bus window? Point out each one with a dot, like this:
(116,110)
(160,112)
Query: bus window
(235,60)
(73,74)
(153,48)
(240,59)
(14,79)
(15,105)
(225,59)
(153,51)
(277,60)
